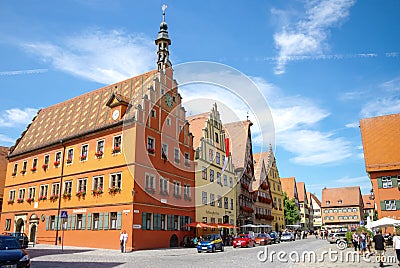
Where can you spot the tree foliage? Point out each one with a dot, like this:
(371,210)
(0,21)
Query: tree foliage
(292,213)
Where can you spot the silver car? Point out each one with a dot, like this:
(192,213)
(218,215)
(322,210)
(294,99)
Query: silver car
(288,236)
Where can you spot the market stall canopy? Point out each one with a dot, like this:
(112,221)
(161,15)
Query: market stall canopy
(199,225)
(384,222)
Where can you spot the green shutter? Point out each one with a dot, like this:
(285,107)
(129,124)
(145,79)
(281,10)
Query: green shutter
(182,222)
(379,182)
(69,223)
(119,220)
(58,221)
(157,221)
(397,204)
(383,206)
(170,222)
(89,221)
(105,221)
(144,220)
(83,221)
(47,223)
(73,220)
(394,181)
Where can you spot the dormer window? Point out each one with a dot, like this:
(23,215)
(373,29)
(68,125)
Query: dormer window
(339,201)
(328,202)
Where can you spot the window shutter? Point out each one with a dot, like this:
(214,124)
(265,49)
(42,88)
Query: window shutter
(397,204)
(379,182)
(83,221)
(383,205)
(157,221)
(182,222)
(47,223)
(89,221)
(119,219)
(73,220)
(69,223)
(105,221)
(144,220)
(170,222)
(58,220)
(394,181)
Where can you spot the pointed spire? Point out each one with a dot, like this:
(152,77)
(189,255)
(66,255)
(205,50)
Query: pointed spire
(162,43)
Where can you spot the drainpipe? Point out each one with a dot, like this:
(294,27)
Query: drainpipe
(59,197)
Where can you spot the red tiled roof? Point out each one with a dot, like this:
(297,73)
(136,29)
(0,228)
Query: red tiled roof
(80,115)
(238,132)
(197,124)
(301,191)
(349,196)
(380,138)
(368,203)
(288,186)
(315,199)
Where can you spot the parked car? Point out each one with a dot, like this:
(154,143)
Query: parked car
(244,240)
(210,242)
(275,237)
(12,254)
(334,237)
(263,239)
(22,239)
(288,236)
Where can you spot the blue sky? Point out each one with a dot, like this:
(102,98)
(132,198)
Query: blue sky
(321,64)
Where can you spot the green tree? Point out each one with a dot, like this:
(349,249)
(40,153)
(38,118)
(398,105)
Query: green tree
(292,214)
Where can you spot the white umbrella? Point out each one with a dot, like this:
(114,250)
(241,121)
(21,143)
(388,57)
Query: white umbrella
(369,223)
(384,222)
(248,226)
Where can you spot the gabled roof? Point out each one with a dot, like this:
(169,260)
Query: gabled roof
(239,133)
(341,197)
(368,203)
(289,186)
(80,115)
(301,191)
(197,124)
(380,138)
(315,199)
(259,171)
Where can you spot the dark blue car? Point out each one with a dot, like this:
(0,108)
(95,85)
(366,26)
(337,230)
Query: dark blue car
(210,243)
(12,254)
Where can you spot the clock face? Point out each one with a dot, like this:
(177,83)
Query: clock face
(168,100)
(115,114)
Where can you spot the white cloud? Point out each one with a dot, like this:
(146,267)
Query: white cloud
(308,35)
(33,71)
(381,106)
(6,140)
(104,57)
(352,125)
(364,182)
(16,116)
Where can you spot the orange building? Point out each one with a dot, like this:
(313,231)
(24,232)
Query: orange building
(369,207)
(3,171)
(342,206)
(289,186)
(117,158)
(380,138)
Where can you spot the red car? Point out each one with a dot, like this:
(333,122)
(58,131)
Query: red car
(263,239)
(244,240)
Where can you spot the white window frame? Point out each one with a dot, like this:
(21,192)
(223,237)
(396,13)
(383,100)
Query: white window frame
(98,182)
(100,148)
(115,181)
(114,143)
(212,199)
(67,187)
(204,198)
(177,188)
(44,188)
(32,192)
(81,185)
(11,195)
(390,204)
(186,191)
(55,188)
(21,193)
(164,150)
(387,182)
(177,156)
(34,163)
(84,153)
(164,185)
(46,159)
(58,156)
(187,159)
(204,173)
(218,158)
(150,181)
(70,156)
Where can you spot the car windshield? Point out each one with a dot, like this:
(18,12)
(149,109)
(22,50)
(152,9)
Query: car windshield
(209,237)
(242,236)
(261,235)
(272,235)
(286,234)
(9,243)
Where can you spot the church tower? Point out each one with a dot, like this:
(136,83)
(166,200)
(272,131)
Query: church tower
(162,43)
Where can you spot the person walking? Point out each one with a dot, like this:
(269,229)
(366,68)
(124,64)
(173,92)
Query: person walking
(363,242)
(380,246)
(355,240)
(396,245)
(123,238)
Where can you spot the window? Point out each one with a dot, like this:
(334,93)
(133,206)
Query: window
(211,175)
(231,203)
(225,180)
(219,201)
(223,159)
(11,196)
(15,169)
(216,137)
(68,187)
(96,217)
(177,189)
(81,187)
(150,183)
(204,198)
(98,183)
(52,220)
(279,188)
(218,158)
(186,191)
(8,225)
(328,202)
(163,225)
(84,152)
(113,220)
(204,173)
(164,151)
(31,193)
(21,194)
(176,222)
(150,145)
(70,156)
(187,160)
(117,144)
(34,164)
(212,199)
(100,147)
(24,166)
(390,204)
(177,157)
(164,188)
(226,202)
(46,159)
(43,192)
(55,188)
(115,180)
(211,155)
(230,182)
(79,218)
(153,113)
(354,210)
(387,182)
(148,221)
(219,178)
(58,158)
(168,121)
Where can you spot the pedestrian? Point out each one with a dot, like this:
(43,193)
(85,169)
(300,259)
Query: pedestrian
(396,245)
(362,242)
(380,246)
(369,244)
(355,240)
(123,238)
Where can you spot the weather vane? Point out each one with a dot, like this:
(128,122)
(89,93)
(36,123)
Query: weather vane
(164,7)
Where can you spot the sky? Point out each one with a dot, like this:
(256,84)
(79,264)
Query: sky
(321,65)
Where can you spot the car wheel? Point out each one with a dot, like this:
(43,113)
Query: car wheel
(213,249)
(234,246)
(199,251)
